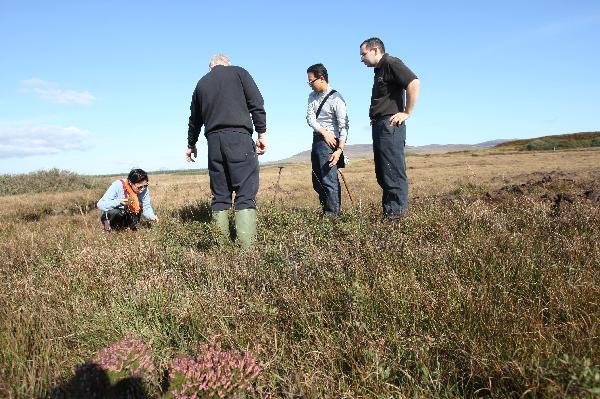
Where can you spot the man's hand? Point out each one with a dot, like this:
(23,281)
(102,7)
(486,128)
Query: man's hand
(155,219)
(335,157)
(261,144)
(189,152)
(397,119)
(329,138)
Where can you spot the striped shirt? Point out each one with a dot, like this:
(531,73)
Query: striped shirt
(333,115)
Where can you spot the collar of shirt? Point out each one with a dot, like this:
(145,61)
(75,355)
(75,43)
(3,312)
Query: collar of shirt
(382,61)
(325,92)
(315,95)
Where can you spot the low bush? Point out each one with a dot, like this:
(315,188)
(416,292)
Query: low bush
(53,180)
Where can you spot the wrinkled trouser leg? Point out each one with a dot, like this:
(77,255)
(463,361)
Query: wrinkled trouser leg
(390,166)
(324,178)
(232,167)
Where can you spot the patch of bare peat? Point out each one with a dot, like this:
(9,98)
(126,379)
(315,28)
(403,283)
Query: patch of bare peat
(561,189)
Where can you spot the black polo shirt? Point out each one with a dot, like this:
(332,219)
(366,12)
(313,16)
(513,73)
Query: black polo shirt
(389,85)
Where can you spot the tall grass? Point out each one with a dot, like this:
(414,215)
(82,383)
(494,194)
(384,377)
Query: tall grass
(471,295)
(53,180)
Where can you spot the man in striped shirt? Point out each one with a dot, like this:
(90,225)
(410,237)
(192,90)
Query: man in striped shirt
(326,115)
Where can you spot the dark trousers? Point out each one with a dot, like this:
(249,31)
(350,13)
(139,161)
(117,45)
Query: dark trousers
(232,167)
(390,165)
(324,178)
(121,219)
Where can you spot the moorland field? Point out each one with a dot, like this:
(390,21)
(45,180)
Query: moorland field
(489,288)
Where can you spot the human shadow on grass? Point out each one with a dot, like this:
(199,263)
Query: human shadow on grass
(91,382)
(198,212)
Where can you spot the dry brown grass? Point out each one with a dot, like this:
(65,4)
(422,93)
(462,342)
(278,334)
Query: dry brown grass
(487,289)
(437,174)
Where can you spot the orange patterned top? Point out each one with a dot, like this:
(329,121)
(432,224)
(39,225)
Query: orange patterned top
(134,202)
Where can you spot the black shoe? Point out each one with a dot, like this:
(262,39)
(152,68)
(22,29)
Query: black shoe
(395,217)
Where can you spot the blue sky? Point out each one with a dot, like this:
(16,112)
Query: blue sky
(100,87)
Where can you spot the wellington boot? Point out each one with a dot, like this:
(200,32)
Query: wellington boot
(245,227)
(221,220)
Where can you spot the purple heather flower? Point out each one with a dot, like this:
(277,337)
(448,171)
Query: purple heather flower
(213,372)
(127,357)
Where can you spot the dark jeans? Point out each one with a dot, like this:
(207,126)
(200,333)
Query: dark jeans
(121,219)
(232,166)
(325,179)
(390,166)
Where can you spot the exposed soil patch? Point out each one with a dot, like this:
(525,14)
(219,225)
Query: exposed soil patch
(559,188)
(593,194)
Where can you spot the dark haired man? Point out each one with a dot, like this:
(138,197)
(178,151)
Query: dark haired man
(228,103)
(125,201)
(330,128)
(395,93)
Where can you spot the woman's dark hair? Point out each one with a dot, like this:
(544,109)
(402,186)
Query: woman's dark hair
(137,175)
(319,71)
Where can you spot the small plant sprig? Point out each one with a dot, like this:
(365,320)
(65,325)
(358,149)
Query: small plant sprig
(213,373)
(128,357)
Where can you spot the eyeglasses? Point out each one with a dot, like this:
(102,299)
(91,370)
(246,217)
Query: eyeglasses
(140,186)
(364,53)
(310,82)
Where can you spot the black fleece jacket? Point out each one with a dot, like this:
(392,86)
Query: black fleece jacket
(223,100)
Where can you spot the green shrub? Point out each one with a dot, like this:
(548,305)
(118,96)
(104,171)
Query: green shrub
(540,145)
(53,180)
(544,144)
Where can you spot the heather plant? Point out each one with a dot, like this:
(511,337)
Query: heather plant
(127,366)
(122,370)
(213,373)
(128,357)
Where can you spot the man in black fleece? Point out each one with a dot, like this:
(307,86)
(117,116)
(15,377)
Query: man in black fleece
(228,104)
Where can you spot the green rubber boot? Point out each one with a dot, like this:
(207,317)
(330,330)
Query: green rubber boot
(221,220)
(245,227)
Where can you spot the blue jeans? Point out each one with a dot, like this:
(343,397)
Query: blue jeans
(390,166)
(325,179)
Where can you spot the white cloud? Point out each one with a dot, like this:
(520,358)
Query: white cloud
(49,91)
(25,141)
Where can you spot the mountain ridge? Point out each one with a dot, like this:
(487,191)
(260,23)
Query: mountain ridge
(365,151)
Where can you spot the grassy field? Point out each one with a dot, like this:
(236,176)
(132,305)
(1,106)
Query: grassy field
(490,287)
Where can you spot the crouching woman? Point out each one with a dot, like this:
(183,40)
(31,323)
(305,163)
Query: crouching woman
(125,201)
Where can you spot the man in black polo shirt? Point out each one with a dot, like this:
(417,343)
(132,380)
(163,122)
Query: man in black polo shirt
(395,92)
(228,103)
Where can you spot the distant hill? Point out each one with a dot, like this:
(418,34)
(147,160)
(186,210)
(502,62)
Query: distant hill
(555,142)
(561,141)
(365,151)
